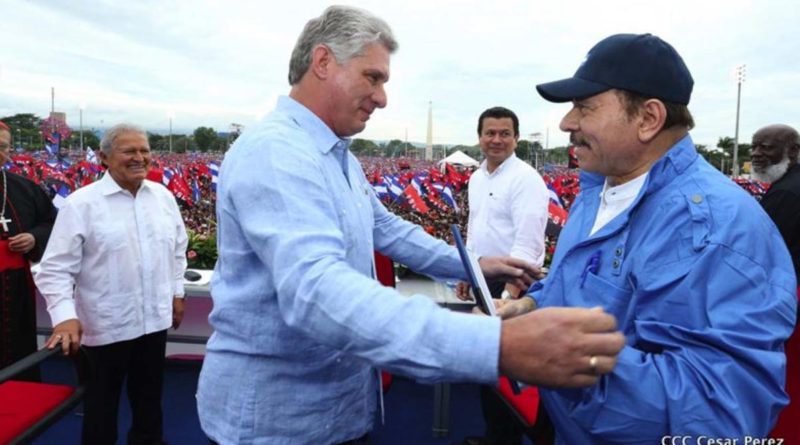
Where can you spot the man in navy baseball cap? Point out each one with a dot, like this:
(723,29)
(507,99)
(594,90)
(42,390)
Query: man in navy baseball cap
(696,274)
(639,63)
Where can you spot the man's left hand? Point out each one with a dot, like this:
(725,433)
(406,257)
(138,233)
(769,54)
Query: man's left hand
(21,242)
(177,312)
(515,271)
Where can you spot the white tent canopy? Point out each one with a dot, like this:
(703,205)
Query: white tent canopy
(460,158)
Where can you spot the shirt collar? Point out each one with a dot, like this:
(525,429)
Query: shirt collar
(324,138)
(499,168)
(621,192)
(108,186)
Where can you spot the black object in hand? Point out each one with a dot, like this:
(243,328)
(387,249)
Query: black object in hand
(191,275)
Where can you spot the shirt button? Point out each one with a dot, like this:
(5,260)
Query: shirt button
(697,199)
(618,252)
(615,264)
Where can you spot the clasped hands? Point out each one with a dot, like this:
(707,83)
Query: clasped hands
(554,347)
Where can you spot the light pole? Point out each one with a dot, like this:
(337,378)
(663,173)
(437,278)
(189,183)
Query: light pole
(740,71)
(534,139)
(170,131)
(80,109)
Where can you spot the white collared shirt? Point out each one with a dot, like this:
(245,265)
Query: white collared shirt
(614,200)
(508,211)
(124,256)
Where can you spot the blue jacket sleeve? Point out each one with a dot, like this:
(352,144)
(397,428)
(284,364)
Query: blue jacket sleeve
(704,354)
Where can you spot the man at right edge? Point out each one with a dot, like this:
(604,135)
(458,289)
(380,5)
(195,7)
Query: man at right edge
(694,270)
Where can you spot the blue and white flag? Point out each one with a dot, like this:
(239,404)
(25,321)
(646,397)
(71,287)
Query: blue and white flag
(381,190)
(446,193)
(554,198)
(53,143)
(214,167)
(91,156)
(61,196)
(51,148)
(393,187)
(166,177)
(195,191)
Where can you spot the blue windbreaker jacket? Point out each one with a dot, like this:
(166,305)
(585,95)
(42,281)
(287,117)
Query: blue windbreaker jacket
(703,288)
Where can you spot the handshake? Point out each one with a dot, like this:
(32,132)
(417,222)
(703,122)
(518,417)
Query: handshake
(554,347)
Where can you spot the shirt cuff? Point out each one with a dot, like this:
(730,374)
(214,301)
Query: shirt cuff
(63,311)
(474,342)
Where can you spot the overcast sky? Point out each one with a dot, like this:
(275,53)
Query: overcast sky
(213,63)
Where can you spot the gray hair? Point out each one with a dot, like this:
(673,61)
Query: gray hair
(107,143)
(345,30)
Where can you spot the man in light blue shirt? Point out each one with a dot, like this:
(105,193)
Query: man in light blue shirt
(299,322)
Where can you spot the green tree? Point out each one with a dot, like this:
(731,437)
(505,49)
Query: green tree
(205,138)
(183,144)
(363,147)
(525,149)
(89,140)
(395,148)
(742,154)
(25,130)
(158,142)
(555,155)
(473,151)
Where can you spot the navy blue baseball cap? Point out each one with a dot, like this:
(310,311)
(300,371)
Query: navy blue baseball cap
(639,63)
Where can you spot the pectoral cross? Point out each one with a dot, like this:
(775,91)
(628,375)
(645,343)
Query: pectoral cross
(4,222)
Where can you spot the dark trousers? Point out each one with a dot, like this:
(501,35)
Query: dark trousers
(501,426)
(142,361)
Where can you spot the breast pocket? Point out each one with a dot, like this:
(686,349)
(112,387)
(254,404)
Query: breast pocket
(110,241)
(111,236)
(612,298)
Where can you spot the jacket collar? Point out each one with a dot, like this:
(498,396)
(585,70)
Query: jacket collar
(674,162)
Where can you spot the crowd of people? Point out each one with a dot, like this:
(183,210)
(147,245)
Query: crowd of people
(62,175)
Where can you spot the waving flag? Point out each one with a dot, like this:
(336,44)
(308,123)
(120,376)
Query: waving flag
(557,214)
(91,156)
(61,196)
(195,191)
(381,190)
(166,176)
(51,147)
(214,168)
(415,200)
(554,196)
(393,187)
(446,193)
(179,188)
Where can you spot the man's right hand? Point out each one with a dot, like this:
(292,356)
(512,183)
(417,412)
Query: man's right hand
(69,333)
(555,346)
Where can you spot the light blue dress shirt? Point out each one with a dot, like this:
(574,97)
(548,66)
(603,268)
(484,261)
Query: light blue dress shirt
(298,319)
(703,288)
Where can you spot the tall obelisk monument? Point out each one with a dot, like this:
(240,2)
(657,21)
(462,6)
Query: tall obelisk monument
(429,140)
